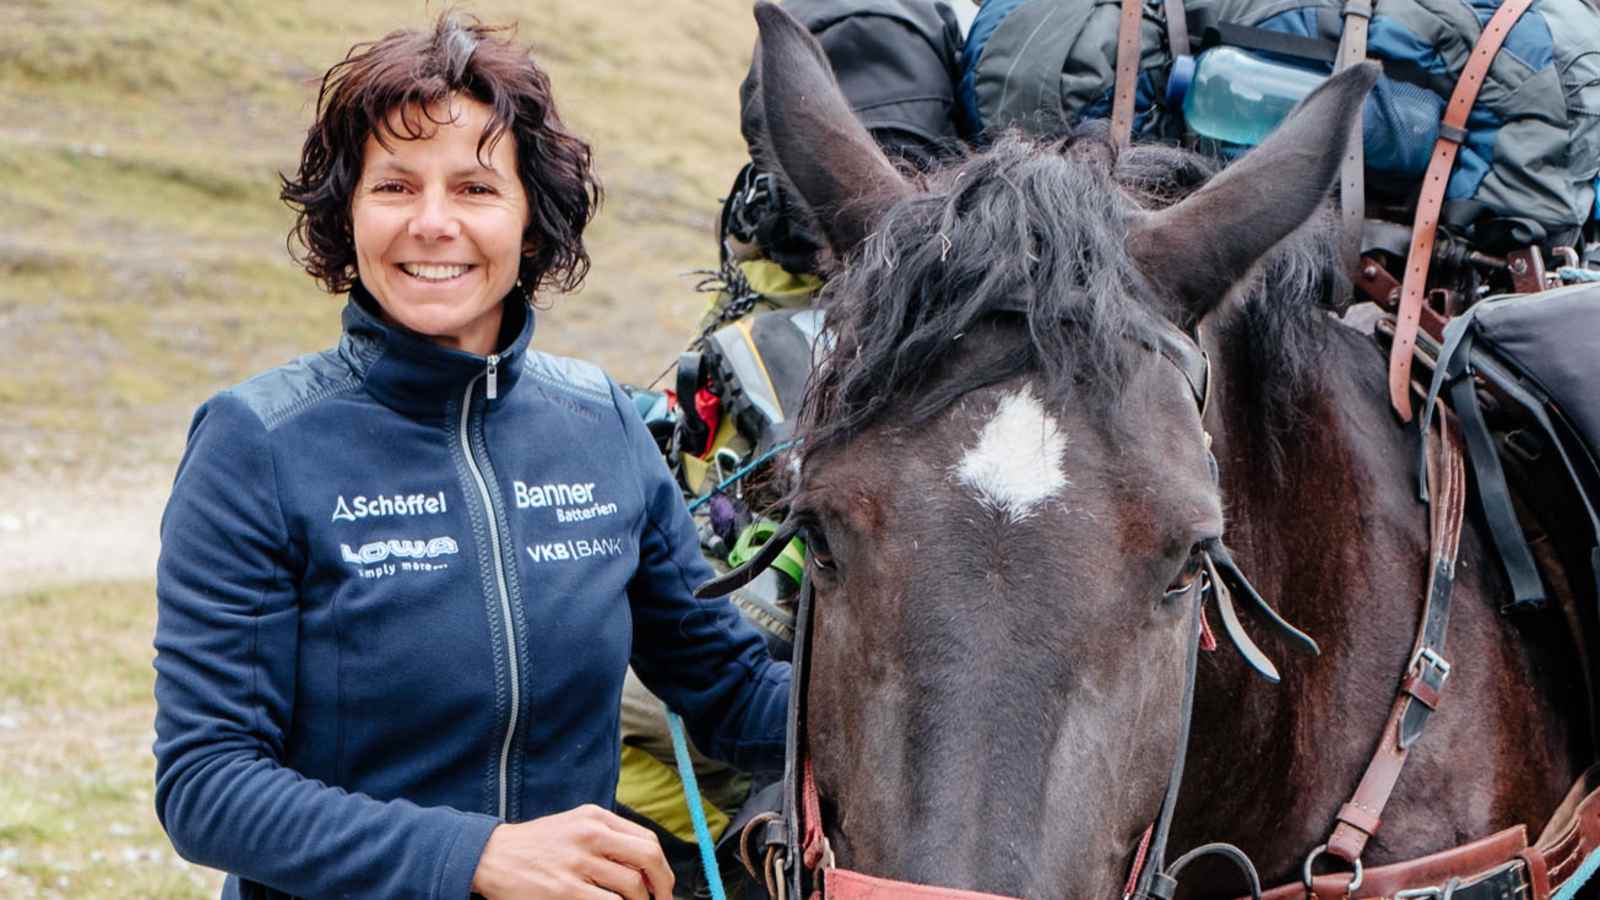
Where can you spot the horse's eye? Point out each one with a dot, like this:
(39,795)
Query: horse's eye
(817,550)
(1189,576)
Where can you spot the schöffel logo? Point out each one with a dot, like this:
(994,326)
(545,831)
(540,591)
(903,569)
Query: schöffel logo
(572,502)
(363,507)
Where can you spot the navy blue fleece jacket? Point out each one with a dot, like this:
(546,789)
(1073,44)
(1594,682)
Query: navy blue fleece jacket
(399,586)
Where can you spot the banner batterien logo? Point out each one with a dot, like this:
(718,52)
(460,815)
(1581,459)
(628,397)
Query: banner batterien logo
(573,502)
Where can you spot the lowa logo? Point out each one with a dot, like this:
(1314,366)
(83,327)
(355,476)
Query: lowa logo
(380,558)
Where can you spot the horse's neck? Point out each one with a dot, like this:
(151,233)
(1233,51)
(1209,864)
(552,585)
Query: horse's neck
(1337,540)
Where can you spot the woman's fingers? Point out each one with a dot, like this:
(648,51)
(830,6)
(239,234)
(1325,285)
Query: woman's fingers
(636,847)
(624,881)
(587,852)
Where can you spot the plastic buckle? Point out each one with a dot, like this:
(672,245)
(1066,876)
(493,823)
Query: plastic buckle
(746,214)
(760,189)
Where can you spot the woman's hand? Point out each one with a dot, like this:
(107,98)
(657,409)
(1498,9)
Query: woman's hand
(584,852)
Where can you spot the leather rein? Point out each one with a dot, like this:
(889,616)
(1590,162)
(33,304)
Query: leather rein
(797,852)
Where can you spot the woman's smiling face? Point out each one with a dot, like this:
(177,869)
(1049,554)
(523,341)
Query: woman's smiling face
(439,228)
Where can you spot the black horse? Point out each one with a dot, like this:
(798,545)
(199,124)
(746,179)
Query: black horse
(1008,491)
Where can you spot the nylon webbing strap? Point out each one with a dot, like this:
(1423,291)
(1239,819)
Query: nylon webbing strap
(1352,180)
(1127,71)
(1494,496)
(1414,286)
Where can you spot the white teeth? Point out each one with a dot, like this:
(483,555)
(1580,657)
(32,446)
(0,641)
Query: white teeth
(428,272)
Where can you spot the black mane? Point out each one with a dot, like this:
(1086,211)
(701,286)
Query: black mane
(946,259)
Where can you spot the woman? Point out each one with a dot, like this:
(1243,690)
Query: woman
(401,580)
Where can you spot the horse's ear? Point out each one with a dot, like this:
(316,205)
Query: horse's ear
(799,126)
(1201,247)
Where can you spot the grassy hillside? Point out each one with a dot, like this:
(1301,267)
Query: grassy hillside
(142,260)
(76,774)
(142,266)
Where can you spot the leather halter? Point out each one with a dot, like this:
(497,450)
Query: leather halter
(797,844)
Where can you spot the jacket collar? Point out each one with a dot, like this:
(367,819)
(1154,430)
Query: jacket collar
(410,373)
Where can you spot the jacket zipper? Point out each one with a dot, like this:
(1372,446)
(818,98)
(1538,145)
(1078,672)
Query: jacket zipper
(499,574)
(492,389)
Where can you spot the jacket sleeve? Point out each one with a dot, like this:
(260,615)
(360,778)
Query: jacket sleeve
(699,656)
(225,664)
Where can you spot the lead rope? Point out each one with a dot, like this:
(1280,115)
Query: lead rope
(697,812)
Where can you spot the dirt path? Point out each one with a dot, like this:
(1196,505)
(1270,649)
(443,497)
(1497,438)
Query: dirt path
(67,528)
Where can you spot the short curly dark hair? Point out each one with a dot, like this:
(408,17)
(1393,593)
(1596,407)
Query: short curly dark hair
(413,69)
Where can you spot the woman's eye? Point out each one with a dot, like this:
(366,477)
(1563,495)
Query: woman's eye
(479,190)
(388,187)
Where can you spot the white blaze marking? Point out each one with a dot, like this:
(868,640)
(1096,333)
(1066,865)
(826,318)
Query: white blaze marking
(1016,464)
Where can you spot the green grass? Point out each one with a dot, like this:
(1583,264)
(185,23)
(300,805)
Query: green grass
(76,814)
(142,267)
(142,260)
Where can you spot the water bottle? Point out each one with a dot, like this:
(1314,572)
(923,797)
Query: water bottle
(1237,97)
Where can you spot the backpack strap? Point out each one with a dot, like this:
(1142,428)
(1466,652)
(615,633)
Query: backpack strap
(1352,175)
(1177,30)
(1127,71)
(1527,591)
(1452,131)
(1455,370)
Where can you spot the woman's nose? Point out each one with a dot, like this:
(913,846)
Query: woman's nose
(434,219)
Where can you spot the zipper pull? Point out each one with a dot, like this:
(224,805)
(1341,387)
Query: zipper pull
(493,389)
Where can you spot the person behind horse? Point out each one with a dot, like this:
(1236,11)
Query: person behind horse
(401,579)
(771,257)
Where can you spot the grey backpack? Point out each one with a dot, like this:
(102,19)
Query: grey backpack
(1540,355)
(1525,175)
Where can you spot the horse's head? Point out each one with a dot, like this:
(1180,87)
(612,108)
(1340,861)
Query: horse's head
(1004,479)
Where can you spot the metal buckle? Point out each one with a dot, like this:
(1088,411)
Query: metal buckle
(1305,871)
(1429,893)
(1427,655)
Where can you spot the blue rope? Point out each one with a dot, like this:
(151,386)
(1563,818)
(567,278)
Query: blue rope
(1579,878)
(739,473)
(697,813)
(1572,275)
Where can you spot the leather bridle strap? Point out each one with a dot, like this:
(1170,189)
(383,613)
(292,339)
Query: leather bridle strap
(1352,182)
(1154,881)
(1127,71)
(1452,132)
(1423,680)
(797,768)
